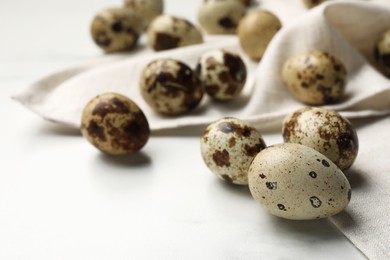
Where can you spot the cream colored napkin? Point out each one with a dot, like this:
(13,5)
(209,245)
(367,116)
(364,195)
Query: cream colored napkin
(346,29)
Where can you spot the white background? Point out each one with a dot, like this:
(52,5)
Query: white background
(62,199)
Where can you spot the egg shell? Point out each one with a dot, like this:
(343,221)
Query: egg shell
(382,53)
(147,9)
(169,32)
(223,74)
(114,124)
(220,16)
(312,3)
(228,146)
(315,78)
(294,181)
(256,30)
(116,29)
(170,87)
(325,131)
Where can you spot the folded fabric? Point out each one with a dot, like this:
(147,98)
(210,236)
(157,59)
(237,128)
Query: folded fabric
(335,27)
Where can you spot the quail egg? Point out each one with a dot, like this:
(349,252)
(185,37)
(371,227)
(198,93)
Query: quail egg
(222,73)
(220,16)
(255,31)
(228,146)
(114,124)
(170,87)
(294,181)
(315,78)
(325,131)
(382,53)
(116,29)
(169,32)
(147,9)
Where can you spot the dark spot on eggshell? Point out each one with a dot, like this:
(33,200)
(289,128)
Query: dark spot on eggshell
(231,89)
(315,202)
(211,89)
(230,127)
(281,207)
(313,174)
(325,163)
(165,42)
(236,66)
(222,158)
(232,142)
(96,131)
(252,151)
(271,185)
(262,175)
(227,22)
(289,127)
(117,27)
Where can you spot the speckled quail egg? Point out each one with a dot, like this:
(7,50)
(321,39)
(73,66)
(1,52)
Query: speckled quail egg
(312,3)
(116,29)
(382,53)
(325,131)
(228,146)
(114,124)
(294,181)
(169,32)
(222,73)
(315,78)
(220,16)
(170,87)
(147,9)
(255,31)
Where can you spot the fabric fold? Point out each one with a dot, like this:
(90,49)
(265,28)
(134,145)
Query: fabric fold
(62,96)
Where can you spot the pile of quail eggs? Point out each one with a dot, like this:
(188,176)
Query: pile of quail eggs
(302,178)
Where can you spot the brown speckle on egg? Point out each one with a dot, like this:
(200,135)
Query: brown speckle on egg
(228,146)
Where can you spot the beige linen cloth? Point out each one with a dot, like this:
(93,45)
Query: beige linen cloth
(345,29)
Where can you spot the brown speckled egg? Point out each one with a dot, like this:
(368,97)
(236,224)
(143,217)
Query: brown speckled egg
(228,146)
(312,3)
(116,29)
(220,16)
(147,9)
(294,181)
(114,124)
(170,87)
(315,78)
(223,74)
(382,53)
(169,32)
(325,131)
(255,31)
